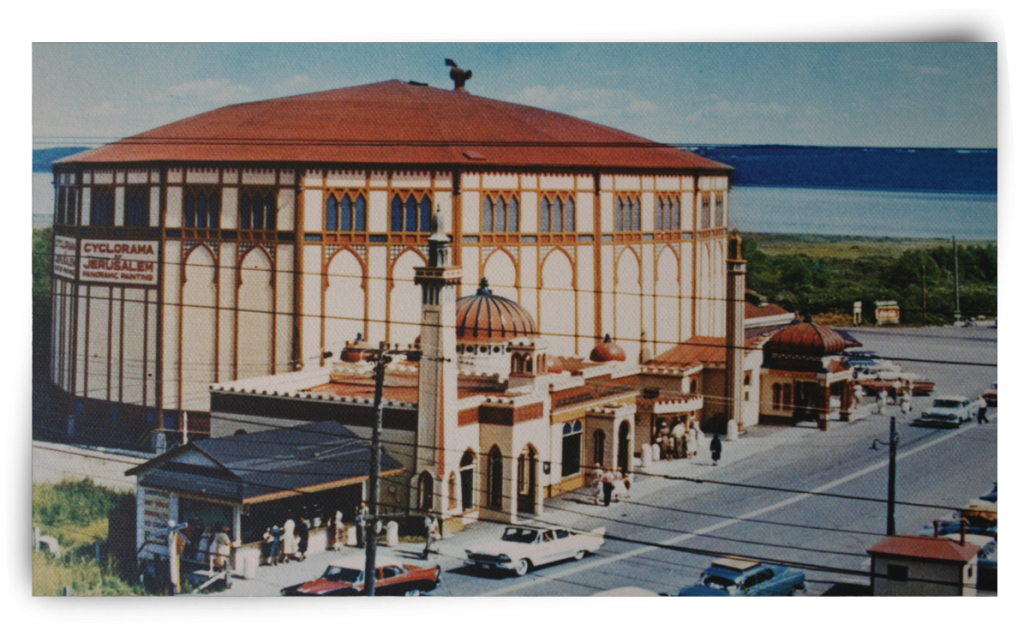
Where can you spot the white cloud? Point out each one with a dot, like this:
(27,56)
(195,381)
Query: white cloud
(723,108)
(109,108)
(293,85)
(209,91)
(589,103)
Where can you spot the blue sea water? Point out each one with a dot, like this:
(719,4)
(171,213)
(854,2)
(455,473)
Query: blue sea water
(868,213)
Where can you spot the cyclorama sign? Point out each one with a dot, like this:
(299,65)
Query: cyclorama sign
(129,262)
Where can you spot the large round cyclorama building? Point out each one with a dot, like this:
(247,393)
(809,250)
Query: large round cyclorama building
(255,238)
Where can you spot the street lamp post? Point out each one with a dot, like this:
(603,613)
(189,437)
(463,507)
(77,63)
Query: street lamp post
(381,359)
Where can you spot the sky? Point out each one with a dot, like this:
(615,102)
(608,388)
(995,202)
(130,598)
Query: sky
(866,94)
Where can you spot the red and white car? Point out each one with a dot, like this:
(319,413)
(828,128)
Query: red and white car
(344,577)
(522,548)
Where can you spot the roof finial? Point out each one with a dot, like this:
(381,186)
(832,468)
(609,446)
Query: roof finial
(607,338)
(458,75)
(484,290)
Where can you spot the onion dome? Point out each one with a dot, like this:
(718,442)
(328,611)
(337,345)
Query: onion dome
(806,339)
(484,317)
(607,351)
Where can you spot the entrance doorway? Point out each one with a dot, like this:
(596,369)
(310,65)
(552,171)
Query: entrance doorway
(527,475)
(625,459)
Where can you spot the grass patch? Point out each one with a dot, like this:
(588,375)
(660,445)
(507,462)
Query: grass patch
(84,576)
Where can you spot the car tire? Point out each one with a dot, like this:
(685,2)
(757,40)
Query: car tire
(413,592)
(579,555)
(522,567)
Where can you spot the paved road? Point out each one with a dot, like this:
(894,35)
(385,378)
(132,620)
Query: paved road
(940,467)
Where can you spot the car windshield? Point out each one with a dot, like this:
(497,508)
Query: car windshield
(519,535)
(342,574)
(718,582)
(946,403)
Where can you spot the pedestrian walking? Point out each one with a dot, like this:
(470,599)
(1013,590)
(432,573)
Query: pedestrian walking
(275,544)
(982,411)
(339,531)
(596,482)
(302,533)
(716,449)
(266,547)
(433,533)
(607,486)
(289,542)
(679,434)
(220,549)
(362,516)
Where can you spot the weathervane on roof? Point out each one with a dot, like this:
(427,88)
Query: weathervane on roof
(458,75)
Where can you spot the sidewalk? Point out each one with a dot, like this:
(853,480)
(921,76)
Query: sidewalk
(576,509)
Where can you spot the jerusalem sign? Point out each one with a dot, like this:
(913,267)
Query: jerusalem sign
(119,261)
(64,257)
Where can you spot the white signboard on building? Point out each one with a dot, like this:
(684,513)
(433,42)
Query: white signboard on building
(64,257)
(119,261)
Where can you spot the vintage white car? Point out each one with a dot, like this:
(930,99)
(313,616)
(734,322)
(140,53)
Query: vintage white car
(522,548)
(949,411)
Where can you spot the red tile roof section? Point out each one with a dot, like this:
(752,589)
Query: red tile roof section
(807,338)
(395,123)
(696,350)
(925,547)
(769,309)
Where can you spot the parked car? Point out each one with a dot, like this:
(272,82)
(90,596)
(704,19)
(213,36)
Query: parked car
(862,357)
(948,411)
(522,548)
(990,396)
(737,576)
(982,519)
(344,577)
(876,381)
(988,559)
(991,495)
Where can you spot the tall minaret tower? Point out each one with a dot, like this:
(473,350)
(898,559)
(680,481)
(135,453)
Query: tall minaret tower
(438,372)
(735,339)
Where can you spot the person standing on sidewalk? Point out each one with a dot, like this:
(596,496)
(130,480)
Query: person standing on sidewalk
(607,486)
(716,449)
(982,411)
(433,533)
(362,517)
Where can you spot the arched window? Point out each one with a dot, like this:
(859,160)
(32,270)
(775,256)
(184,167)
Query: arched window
(410,212)
(557,213)
(495,474)
(776,396)
(346,212)
(257,209)
(571,448)
(467,473)
(705,211)
(426,491)
(719,209)
(627,213)
(625,449)
(500,213)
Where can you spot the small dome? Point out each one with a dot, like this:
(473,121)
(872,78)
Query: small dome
(484,317)
(807,339)
(607,351)
(356,351)
(555,365)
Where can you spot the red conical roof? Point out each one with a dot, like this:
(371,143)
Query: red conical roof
(808,339)
(394,123)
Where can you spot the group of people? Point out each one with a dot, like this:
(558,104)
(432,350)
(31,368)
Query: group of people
(286,544)
(682,441)
(610,485)
(212,547)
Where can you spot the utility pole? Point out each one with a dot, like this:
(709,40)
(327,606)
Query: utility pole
(894,440)
(381,360)
(956,278)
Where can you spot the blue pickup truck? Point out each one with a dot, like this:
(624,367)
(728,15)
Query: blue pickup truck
(737,576)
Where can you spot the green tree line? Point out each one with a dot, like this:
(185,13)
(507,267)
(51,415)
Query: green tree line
(920,280)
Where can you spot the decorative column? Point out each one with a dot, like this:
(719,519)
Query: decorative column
(438,370)
(735,339)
